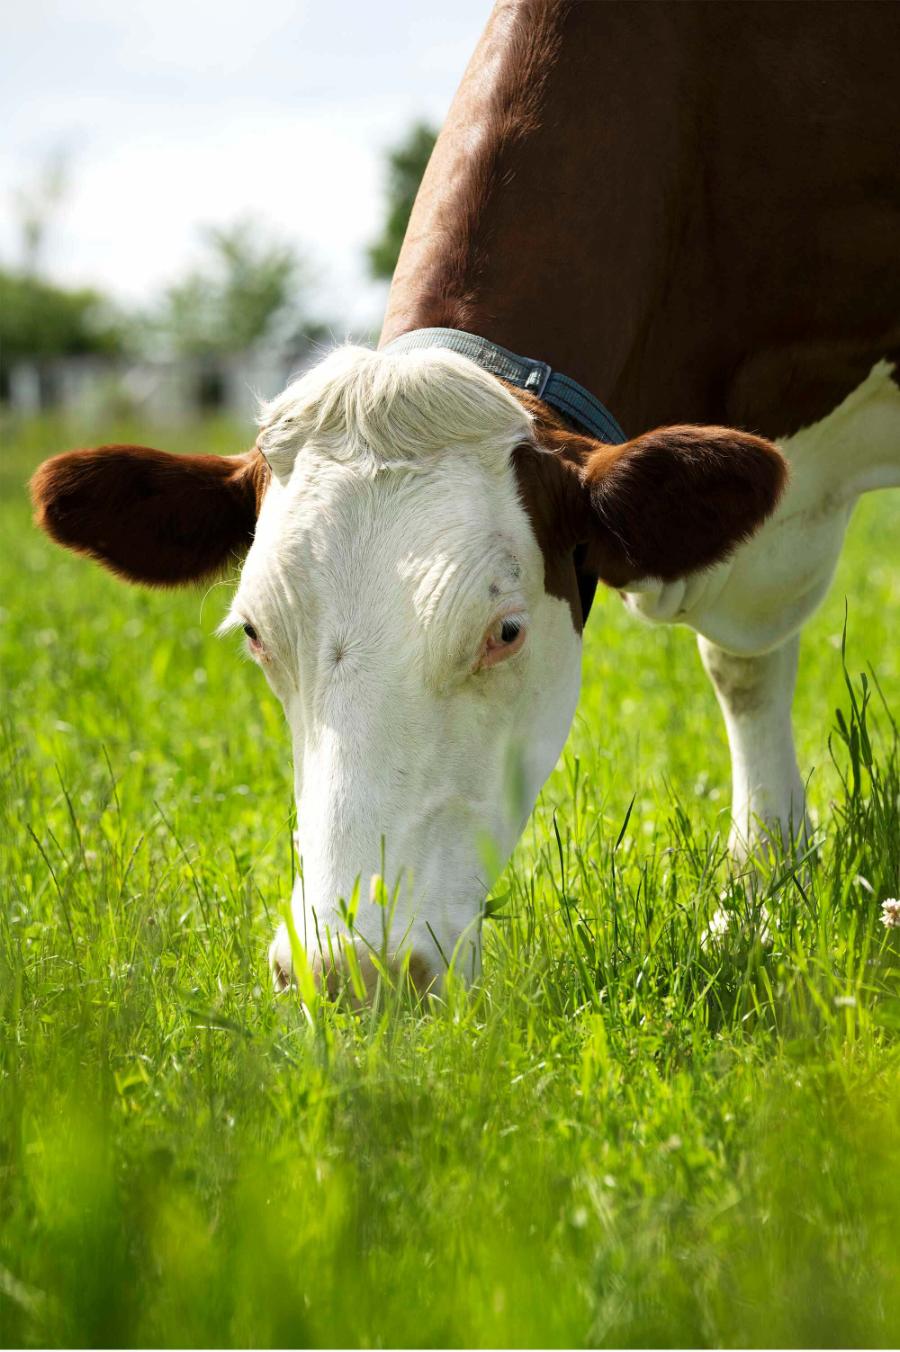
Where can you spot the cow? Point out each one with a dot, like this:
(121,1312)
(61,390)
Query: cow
(690,211)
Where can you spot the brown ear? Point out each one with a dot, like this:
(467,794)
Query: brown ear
(151,517)
(662,505)
(677,500)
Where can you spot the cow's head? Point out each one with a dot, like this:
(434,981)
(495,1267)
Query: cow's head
(412,595)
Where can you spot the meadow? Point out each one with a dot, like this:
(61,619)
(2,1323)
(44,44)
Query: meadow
(625,1135)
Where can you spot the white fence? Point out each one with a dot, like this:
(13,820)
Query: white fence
(158,391)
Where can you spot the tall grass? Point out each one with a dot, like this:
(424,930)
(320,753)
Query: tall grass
(633,1131)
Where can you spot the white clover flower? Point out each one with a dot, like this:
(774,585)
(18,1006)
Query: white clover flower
(890,913)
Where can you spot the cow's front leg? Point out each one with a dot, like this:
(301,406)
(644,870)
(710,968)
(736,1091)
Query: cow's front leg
(755,695)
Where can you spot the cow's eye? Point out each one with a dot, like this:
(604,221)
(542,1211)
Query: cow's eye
(251,633)
(503,639)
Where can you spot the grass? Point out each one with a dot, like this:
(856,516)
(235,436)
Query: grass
(621,1137)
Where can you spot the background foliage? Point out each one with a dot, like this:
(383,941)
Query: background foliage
(38,319)
(406,164)
(622,1137)
(248,289)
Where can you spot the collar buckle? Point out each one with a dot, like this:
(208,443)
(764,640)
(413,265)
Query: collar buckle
(536,380)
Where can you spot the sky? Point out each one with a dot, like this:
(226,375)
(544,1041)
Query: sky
(175,114)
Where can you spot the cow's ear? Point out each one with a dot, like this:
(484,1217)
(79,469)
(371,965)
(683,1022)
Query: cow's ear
(676,500)
(665,504)
(163,520)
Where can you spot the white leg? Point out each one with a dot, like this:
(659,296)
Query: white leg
(755,695)
(753,602)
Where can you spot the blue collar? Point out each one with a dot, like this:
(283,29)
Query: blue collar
(566,395)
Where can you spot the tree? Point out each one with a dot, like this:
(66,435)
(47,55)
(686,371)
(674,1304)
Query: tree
(35,205)
(250,290)
(39,321)
(405,166)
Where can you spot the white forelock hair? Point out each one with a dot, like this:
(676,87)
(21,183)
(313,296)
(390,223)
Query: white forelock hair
(383,410)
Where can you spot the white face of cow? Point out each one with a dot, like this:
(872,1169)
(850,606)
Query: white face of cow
(401,593)
(395,599)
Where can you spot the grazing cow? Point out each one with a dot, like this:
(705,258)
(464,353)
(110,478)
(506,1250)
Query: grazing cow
(690,210)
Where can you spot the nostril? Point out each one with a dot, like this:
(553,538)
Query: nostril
(334,976)
(422,974)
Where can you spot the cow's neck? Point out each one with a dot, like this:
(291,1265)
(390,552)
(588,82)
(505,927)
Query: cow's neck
(539,224)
